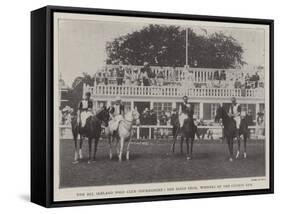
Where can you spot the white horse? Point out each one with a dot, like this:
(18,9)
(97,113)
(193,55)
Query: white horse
(123,134)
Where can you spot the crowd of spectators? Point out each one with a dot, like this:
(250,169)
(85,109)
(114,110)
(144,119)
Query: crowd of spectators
(144,76)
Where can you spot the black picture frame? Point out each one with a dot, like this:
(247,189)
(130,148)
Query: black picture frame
(42,102)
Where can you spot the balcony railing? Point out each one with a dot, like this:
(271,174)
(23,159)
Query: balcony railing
(200,75)
(171,91)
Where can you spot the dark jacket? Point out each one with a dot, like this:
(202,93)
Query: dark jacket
(187,110)
(163,119)
(90,106)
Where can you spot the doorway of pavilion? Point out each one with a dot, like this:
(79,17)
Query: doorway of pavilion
(141,106)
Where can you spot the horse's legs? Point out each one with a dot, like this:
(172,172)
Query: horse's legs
(172,149)
(175,134)
(76,150)
(80,147)
(127,150)
(110,147)
(121,149)
(95,148)
(191,147)
(239,144)
(90,149)
(182,138)
(245,145)
(230,148)
(117,142)
(187,148)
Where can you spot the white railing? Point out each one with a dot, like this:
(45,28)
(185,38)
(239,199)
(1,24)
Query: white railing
(172,91)
(65,130)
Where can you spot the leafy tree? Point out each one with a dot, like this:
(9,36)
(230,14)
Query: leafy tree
(76,92)
(165,46)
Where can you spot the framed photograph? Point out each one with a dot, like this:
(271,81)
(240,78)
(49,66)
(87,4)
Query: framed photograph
(134,106)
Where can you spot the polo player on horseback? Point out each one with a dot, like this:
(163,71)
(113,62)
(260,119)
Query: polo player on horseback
(85,109)
(117,112)
(185,111)
(235,112)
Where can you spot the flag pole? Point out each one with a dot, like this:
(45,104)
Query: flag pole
(186,47)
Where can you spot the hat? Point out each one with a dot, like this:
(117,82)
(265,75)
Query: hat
(67,108)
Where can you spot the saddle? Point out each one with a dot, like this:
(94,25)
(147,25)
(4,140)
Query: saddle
(114,123)
(84,115)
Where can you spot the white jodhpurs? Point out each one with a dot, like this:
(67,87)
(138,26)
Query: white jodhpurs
(238,121)
(182,117)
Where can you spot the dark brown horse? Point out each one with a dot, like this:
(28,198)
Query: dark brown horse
(230,131)
(91,130)
(187,132)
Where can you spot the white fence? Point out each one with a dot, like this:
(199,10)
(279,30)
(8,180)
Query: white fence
(172,91)
(65,131)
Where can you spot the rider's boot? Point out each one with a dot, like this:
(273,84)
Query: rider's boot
(245,155)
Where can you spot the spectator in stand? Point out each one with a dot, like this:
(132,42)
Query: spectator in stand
(144,118)
(146,73)
(231,84)
(152,121)
(260,131)
(160,78)
(175,123)
(256,79)
(223,75)
(128,77)
(153,117)
(120,72)
(135,77)
(216,75)
(202,132)
(247,81)
(237,84)
(106,76)
(249,118)
(163,119)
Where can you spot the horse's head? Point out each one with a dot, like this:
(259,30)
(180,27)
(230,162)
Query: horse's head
(104,116)
(133,116)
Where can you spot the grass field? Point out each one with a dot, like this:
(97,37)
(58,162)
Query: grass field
(150,163)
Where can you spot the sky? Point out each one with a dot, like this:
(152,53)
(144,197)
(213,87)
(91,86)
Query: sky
(82,44)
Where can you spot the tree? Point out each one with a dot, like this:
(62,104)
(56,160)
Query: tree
(76,92)
(166,46)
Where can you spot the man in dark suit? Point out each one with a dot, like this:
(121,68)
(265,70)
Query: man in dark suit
(120,73)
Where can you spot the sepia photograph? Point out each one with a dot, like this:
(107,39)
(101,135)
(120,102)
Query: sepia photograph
(147,106)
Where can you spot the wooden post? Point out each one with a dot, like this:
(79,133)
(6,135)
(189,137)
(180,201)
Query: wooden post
(138,132)
(201,110)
